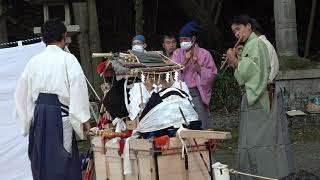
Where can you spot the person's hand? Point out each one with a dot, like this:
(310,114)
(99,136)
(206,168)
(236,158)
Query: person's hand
(194,61)
(231,58)
(86,127)
(187,57)
(225,62)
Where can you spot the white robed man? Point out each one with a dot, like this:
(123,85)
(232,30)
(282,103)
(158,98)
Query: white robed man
(52,102)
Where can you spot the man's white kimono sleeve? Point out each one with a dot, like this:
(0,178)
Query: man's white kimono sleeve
(79,111)
(23,101)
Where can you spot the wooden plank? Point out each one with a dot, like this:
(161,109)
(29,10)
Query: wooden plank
(146,167)
(100,166)
(172,167)
(115,170)
(134,175)
(197,169)
(146,144)
(201,134)
(71,30)
(135,144)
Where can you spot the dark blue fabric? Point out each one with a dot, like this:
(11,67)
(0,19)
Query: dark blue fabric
(49,159)
(190,29)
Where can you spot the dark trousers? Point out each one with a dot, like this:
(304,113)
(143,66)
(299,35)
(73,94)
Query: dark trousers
(49,159)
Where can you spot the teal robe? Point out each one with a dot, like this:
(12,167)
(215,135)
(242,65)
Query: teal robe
(253,71)
(264,147)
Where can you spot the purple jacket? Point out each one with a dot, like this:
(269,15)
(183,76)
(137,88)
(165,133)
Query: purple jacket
(190,76)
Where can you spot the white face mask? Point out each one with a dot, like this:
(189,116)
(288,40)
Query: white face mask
(138,47)
(186,45)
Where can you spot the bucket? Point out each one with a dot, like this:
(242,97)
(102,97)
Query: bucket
(221,171)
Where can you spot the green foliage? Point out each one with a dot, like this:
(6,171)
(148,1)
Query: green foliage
(226,92)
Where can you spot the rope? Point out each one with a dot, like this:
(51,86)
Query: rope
(250,175)
(167,58)
(67,50)
(93,113)
(93,89)
(15,42)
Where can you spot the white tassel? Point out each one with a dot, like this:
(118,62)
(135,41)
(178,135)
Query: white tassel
(167,77)
(143,78)
(176,75)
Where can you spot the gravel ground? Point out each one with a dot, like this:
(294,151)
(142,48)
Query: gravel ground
(306,144)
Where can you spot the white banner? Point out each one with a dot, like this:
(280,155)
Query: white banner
(14,161)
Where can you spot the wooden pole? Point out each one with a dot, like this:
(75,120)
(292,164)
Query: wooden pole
(80,11)
(94,40)
(310,28)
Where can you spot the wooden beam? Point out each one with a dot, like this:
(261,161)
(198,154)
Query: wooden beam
(101,55)
(201,134)
(71,30)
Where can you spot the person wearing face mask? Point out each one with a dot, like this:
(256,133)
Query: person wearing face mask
(51,100)
(264,147)
(198,73)
(139,43)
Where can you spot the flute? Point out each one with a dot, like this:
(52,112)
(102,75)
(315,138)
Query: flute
(235,46)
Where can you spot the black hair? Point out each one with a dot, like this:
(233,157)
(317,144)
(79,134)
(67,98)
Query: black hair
(168,36)
(256,27)
(244,20)
(53,31)
(241,20)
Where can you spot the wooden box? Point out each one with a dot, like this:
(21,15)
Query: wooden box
(149,163)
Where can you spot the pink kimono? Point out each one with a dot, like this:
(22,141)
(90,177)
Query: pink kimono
(204,81)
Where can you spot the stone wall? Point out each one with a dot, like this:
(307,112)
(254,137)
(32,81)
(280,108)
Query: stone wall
(299,87)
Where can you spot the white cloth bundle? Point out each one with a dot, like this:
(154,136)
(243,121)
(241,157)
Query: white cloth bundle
(163,115)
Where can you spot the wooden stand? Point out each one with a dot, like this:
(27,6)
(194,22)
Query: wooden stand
(149,163)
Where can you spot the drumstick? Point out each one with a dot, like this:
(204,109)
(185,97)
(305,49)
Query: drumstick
(237,44)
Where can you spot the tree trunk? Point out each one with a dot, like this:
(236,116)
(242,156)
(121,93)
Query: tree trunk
(310,28)
(81,18)
(3,27)
(286,27)
(138,6)
(218,12)
(94,39)
(201,11)
(3,30)
(155,21)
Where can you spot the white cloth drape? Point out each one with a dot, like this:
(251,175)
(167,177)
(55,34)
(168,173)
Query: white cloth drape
(14,161)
